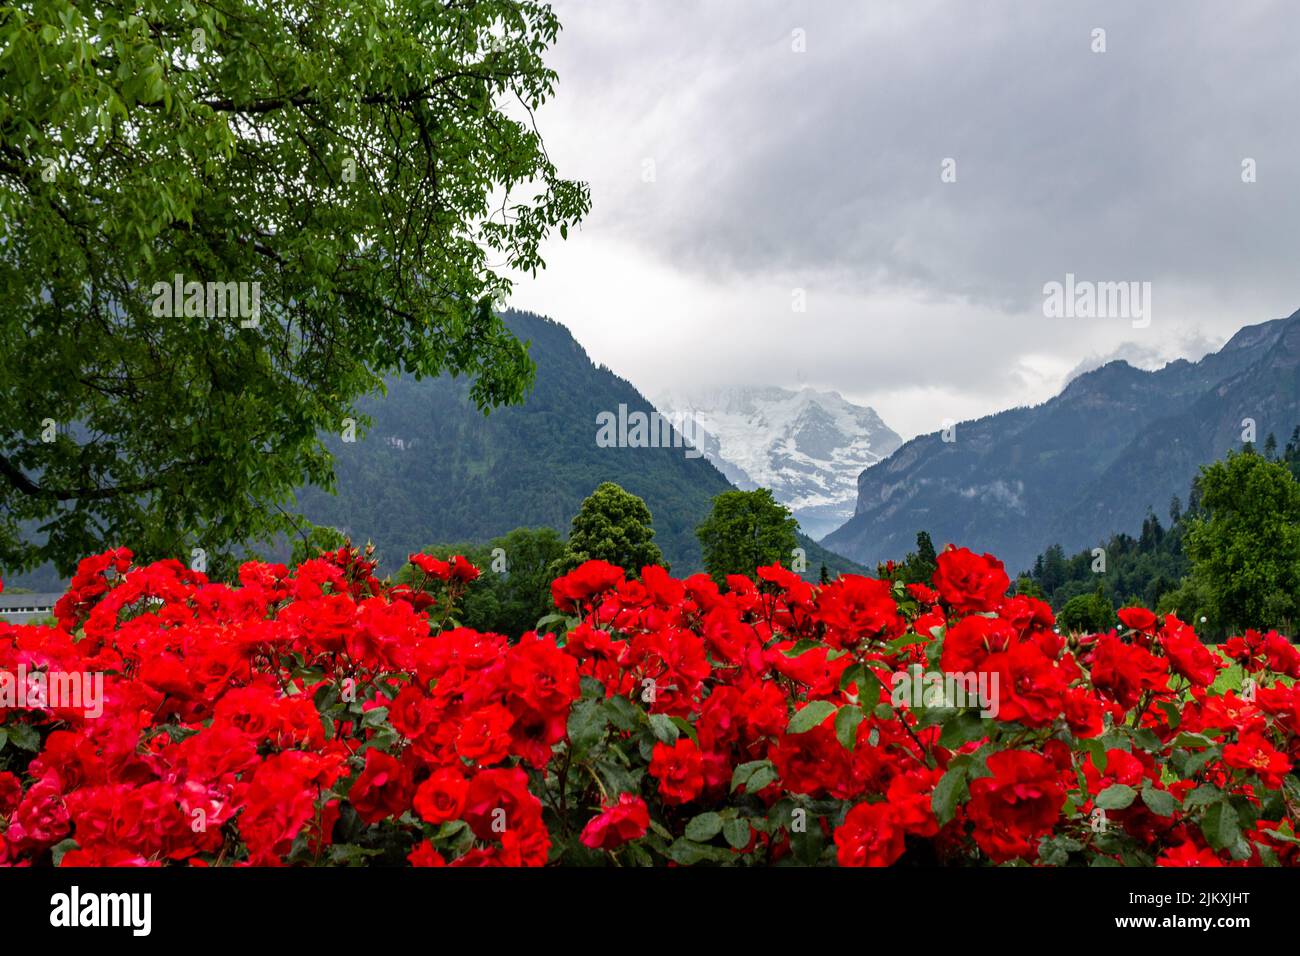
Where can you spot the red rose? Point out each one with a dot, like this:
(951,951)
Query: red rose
(425,855)
(1083,713)
(1126,671)
(382,789)
(1188,853)
(40,819)
(971,640)
(1030,688)
(970,582)
(855,608)
(1138,618)
(11,793)
(868,837)
(462,570)
(484,736)
(679,770)
(583,582)
(433,567)
(542,676)
(1283,657)
(1187,655)
(442,796)
(1252,752)
(627,819)
(1018,804)
(499,802)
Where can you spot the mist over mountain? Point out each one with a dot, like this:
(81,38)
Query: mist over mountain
(433,469)
(807,446)
(1116,442)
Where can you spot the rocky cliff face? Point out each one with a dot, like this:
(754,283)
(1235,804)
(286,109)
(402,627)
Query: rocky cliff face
(1115,442)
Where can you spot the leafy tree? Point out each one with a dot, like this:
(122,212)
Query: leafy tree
(919,566)
(355,179)
(513,592)
(1087,613)
(1245,546)
(314,539)
(746,530)
(1027,586)
(612,525)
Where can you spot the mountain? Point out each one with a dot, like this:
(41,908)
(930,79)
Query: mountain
(808,446)
(1114,443)
(432,469)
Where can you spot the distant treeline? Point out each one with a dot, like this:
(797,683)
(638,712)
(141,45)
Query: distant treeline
(1156,567)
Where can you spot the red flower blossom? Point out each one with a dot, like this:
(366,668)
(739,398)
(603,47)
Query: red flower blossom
(1016,805)
(969,582)
(679,770)
(1253,753)
(1137,618)
(442,796)
(382,789)
(619,822)
(584,582)
(1126,671)
(868,837)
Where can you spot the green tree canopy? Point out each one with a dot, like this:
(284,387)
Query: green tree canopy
(1087,613)
(513,592)
(338,190)
(612,525)
(919,566)
(746,530)
(1245,543)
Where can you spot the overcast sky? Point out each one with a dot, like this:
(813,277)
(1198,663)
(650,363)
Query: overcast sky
(774,170)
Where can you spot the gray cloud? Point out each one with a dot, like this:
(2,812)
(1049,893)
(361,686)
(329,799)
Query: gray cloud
(820,170)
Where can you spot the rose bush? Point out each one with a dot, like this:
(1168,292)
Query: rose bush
(321,716)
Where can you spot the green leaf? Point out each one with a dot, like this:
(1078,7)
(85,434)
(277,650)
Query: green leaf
(25,736)
(59,849)
(1192,740)
(737,833)
(812,715)
(744,771)
(1220,825)
(349,854)
(622,713)
(948,793)
(587,722)
(1148,740)
(963,728)
(686,852)
(1202,796)
(704,827)
(1116,797)
(906,640)
(846,725)
(762,777)
(662,726)
(685,727)
(1160,802)
(802,646)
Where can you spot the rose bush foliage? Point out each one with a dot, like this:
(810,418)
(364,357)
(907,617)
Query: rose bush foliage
(319,716)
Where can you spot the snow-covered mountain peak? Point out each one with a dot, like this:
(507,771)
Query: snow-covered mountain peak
(808,445)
